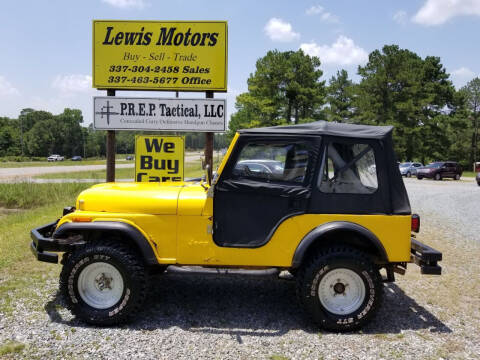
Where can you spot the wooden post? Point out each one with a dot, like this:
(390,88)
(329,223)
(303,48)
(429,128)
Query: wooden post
(111,149)
(209,143)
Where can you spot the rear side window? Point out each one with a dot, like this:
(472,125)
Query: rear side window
(285,162)
(348,169)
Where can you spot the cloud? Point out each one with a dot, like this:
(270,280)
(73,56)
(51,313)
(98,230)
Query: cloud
(126,4)
(325,16)
(6,88)
(461,76)
(437,12)
(71,84)
(400,17)
(279,30)
(463,72)
(342,52)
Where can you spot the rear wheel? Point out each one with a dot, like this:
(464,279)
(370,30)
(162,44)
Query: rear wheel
(438,176)
(340,288)
(419,177)
(457,177)
(409,174)
(103,283)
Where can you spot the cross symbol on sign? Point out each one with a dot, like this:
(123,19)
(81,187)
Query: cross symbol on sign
(105,110)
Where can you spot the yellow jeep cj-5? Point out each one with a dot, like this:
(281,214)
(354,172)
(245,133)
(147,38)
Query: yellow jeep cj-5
(324,201)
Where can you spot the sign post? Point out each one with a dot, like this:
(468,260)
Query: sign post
(209,144)
(110,147)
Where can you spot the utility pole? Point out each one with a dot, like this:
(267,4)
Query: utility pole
(110,148)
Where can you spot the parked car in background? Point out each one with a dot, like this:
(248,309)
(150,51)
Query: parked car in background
(267,168)
(129,157)
(55,158)
(478,178)
(77,158)
(440,170)
(409,168)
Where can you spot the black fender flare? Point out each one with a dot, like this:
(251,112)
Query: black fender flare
(316,234)
(128,231)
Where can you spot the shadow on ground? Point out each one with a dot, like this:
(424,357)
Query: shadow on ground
(240,306)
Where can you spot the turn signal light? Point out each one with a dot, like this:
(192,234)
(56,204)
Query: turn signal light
(82,219)
(415,223)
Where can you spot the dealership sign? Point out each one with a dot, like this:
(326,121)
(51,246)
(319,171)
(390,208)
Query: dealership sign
(159,158)
(160,55)
(158,114)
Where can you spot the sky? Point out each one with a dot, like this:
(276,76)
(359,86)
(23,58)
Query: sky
(46,45)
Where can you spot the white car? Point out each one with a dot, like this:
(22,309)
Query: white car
(55,158)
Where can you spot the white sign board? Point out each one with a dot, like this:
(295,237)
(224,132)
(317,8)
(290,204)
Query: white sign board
(127,113)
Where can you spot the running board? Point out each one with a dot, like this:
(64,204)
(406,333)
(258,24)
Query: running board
(172,269)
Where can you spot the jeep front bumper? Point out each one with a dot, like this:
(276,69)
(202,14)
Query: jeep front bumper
(43,241)
(426,257)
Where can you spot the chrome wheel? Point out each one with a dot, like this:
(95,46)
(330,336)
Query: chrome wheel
(100,285)
(341,291)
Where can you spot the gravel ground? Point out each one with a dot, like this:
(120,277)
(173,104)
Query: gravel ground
(214,317)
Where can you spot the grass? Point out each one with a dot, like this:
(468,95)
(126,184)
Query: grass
(11,347)
(469,174)
(28,195)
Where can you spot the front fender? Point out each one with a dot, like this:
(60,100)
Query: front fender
(125,230)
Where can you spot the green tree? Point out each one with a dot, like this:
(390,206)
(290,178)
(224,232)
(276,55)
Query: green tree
(471,92)
(400,88)
(285,88)
(340,95)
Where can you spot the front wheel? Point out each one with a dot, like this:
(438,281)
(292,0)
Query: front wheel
(409,174)
(103,283)
(419,177)
(457,177)
(340,288)
(438,177)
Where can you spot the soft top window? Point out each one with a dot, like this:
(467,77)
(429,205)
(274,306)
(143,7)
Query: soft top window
(349,169)
(273,162)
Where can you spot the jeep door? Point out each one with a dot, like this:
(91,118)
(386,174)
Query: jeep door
(265,181)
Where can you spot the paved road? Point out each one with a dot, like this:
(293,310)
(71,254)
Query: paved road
(9,173)
(26,172)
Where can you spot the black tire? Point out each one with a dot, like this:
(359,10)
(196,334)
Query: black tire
(478,183)
(438,177)
(130,268)
(337,259)
(409,174)
(419,177)
(457,177)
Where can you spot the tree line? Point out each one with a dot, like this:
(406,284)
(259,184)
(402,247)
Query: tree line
(37,133)
(433,120)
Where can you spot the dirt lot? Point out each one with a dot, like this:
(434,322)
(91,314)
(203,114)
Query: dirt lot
(423,317)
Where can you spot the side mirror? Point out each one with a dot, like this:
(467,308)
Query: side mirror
(208,174)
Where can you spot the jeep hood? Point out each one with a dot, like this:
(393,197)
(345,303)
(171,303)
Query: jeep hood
(139,198)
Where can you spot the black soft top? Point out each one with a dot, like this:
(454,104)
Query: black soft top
(326,128)
(393,197)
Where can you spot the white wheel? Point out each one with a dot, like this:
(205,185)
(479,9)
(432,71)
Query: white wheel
(341,291)
(100,285)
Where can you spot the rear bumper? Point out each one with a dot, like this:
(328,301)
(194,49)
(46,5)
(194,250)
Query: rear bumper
(426,257)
